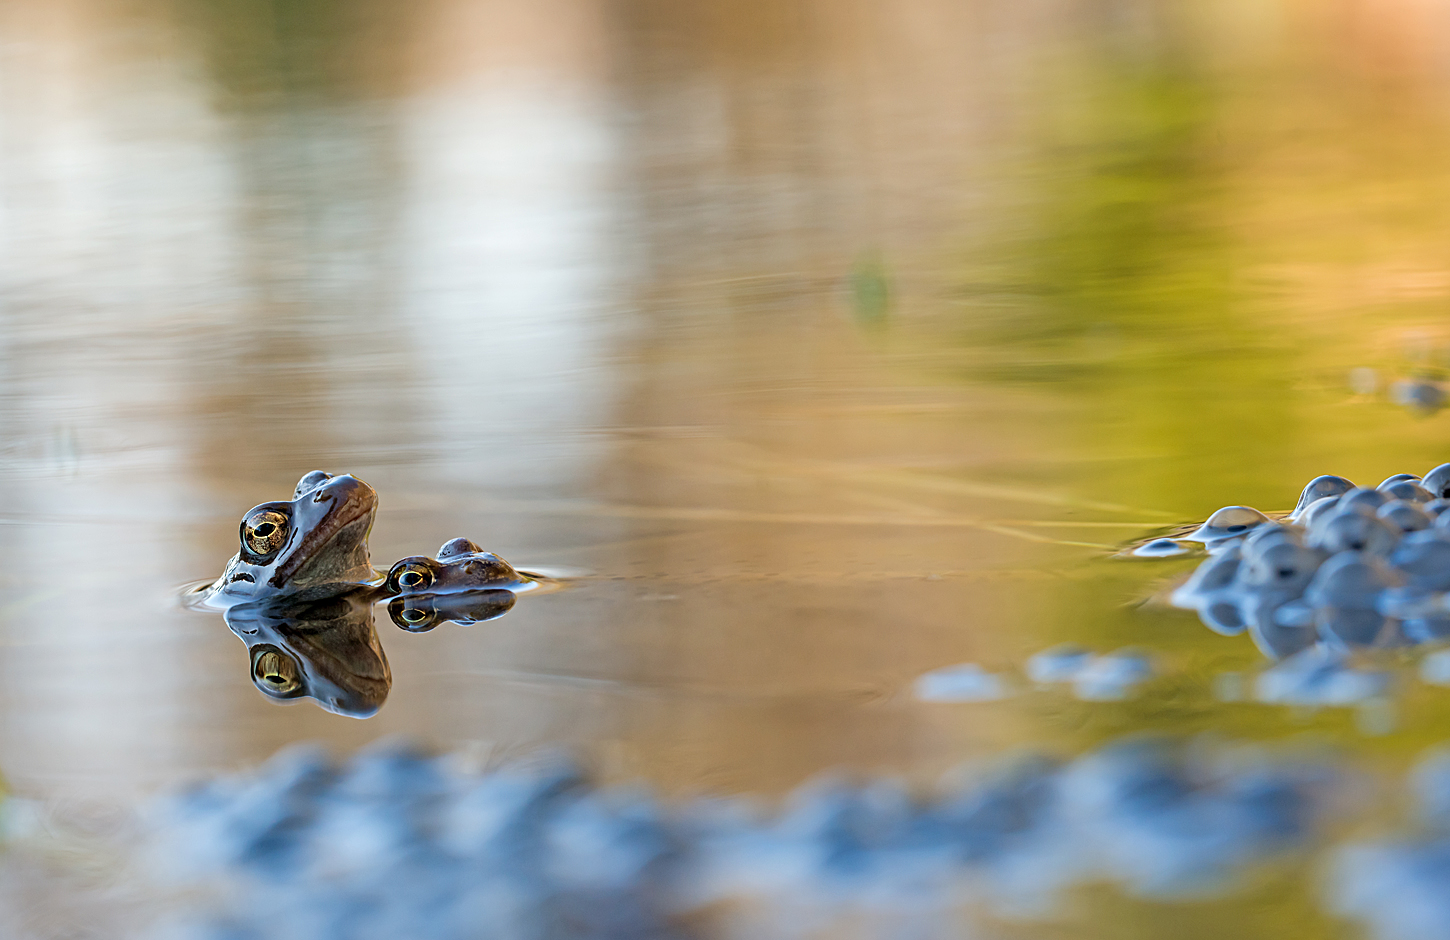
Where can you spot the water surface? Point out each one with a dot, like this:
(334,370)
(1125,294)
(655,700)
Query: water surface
(837,343)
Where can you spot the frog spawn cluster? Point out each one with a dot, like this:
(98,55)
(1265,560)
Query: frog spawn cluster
(1351,567)
(397,843)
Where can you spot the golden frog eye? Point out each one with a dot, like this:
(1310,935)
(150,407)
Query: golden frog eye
(276,673)
(413,578)
(265,531)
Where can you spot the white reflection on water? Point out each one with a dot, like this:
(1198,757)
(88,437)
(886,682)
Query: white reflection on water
(510,282)
(117,246)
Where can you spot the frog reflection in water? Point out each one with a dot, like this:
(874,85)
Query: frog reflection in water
(301,587)
(326,649)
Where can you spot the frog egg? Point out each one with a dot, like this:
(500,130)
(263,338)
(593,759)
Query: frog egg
(1353,627)
(1227,523)
(1420,395)
(1345,593)
(1405,516)
(1159,548)
(1362,499)
(1436,507)
(1390,481)
(1409,491)
(1319,488)
(1437,481)
(1207,580)
(1350,580)
(1424,559)
(1435,668)
(1283,567)
(1352,532)
(1058,664)
(1318,677)
(1295,613)
(1429,629)
(1275,532)
(1265,537)
(1277,640)
(1112,677)
(1223,616)
(1212,590)
(1318,513)
(1430,783)
(965,683)
(1409,603)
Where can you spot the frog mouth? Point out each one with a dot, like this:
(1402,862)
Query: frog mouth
(356,504)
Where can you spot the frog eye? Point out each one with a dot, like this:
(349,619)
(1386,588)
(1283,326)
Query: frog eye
(264,531)
(276,673)
(412,577)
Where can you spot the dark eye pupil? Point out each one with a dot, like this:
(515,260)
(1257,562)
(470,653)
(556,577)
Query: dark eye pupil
(266,529)
(411,578)
(414,616)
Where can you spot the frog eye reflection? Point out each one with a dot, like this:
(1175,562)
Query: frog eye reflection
(411,616)
(264,532)
(276,673)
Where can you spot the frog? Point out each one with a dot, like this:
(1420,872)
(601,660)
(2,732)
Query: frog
(459,565)
(461,583)
(322,648)
(314,545)
(301,588)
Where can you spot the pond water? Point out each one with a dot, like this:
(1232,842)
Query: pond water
(823,345)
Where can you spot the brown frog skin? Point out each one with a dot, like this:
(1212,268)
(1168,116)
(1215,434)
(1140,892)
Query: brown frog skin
(463,583)
(314,545)
(325,649)
(459,566)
